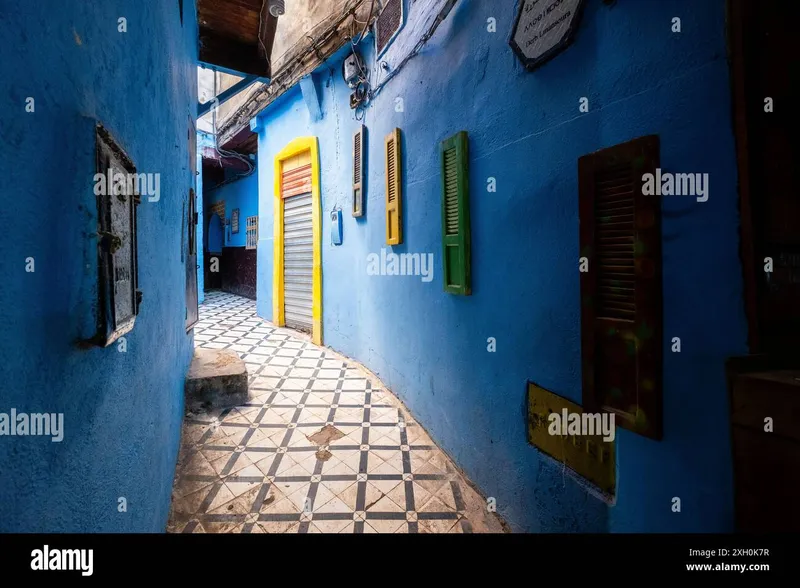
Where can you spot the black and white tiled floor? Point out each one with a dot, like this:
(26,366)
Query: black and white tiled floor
(320,447)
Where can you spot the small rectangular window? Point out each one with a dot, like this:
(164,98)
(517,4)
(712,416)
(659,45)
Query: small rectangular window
(388,24)
(252,233)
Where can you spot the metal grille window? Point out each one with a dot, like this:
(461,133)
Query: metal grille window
(388,24)
(252,232)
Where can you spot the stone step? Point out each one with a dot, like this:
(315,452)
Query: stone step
(217,378)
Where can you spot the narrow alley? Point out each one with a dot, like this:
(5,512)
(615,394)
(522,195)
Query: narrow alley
(495,268)
(320,447)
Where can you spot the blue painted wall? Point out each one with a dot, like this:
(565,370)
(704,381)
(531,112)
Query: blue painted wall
(526,131)
(203,140)
(122,411)
(242,194)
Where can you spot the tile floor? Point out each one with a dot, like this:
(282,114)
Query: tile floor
(320,447)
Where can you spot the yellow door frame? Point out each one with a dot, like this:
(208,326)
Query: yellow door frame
(296,147)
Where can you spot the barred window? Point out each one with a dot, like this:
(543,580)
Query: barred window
(252,232)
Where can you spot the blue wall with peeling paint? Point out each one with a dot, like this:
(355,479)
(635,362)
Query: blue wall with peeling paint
(122,411)
(430,348)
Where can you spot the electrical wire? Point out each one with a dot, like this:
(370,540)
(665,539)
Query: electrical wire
(225,153)
(282,81)
(366,24)
(418,47)
(260,40)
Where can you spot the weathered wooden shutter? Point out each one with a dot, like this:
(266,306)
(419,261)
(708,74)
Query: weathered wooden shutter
(358,172)
(621,314)
(455,214)
(394,196)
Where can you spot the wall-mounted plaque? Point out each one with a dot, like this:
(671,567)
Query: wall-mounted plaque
(543,29)
(235,221)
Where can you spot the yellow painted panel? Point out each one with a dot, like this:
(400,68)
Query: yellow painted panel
(587,455)
(297,160)
(297,153)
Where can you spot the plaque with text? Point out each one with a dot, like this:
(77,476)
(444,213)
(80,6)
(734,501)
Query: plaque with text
(543,29)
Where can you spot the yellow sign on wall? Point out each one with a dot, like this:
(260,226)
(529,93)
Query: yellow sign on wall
(583,442)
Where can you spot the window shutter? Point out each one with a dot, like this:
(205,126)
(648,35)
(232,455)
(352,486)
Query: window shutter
(358,172)
(455,214)
(621,309)
(394,196)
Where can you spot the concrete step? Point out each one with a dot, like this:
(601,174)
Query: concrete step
(217,378)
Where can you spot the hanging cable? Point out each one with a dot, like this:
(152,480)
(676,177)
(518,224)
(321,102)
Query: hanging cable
(285,77)
(366,24)
(418,47)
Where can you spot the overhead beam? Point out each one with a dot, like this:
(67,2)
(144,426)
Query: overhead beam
(211,154)
(233,55)
(226,95)
(331,34)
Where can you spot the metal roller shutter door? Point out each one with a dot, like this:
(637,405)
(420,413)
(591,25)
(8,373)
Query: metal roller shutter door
(297,262)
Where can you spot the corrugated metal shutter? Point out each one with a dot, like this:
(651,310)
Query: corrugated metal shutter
(297,261)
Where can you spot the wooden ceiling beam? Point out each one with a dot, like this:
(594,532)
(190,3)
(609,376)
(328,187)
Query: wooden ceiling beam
(232,55)
(242,45)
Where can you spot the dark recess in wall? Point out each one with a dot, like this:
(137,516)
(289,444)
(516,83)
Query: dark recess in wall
(238,271)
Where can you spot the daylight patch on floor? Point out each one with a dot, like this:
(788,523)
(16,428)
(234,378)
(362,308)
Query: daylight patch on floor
(320,447)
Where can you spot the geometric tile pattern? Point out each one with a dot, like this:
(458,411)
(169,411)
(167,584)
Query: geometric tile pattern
(320,447)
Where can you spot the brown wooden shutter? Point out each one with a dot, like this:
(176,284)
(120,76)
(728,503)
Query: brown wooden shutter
(621,310)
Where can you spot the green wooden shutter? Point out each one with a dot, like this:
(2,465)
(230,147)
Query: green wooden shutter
(621,308)
(455,214)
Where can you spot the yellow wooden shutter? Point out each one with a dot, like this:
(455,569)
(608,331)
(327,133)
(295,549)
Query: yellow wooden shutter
(394,196)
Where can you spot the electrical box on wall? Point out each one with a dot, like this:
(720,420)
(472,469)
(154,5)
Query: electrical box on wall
(117,194)
(353,69)
(336,227)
